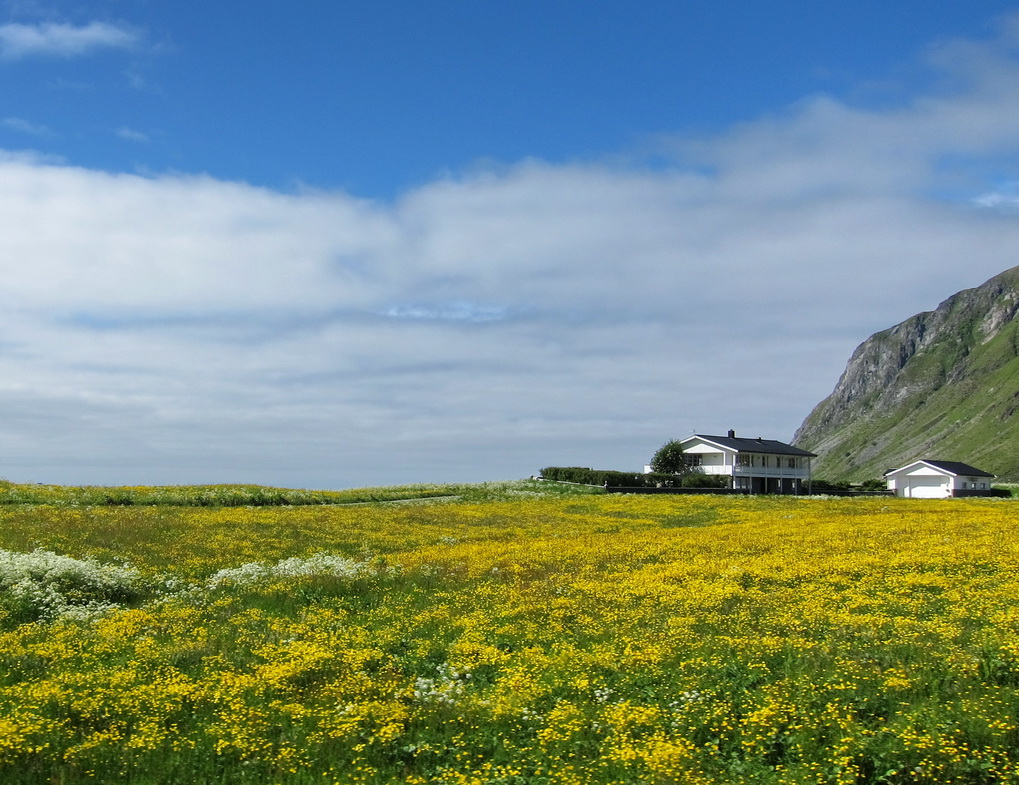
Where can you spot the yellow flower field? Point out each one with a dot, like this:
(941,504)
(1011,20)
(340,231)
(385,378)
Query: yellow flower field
(572,640)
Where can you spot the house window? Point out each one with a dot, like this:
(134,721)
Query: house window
(792,463)
(693,460)
(744,460)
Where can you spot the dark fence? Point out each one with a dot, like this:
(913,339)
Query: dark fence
(712,491)
(746,492)
(847,492)
(1001,493)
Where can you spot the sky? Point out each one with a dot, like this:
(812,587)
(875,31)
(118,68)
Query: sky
(330,245)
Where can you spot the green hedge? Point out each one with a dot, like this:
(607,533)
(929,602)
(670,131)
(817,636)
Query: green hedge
(586,476)
(698,479)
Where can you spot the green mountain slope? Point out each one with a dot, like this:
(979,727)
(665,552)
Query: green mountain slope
(943,384)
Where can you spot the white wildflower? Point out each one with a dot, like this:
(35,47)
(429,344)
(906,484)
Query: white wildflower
(46,585)
(446,688)
(320,564)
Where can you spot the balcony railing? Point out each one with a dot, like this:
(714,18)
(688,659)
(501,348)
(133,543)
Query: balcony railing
(801,472)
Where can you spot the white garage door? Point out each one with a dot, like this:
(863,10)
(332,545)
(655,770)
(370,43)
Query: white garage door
(925,487)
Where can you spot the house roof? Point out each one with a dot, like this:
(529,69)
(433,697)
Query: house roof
(739,444)
(955,468)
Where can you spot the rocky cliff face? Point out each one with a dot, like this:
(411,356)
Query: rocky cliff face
(943,384)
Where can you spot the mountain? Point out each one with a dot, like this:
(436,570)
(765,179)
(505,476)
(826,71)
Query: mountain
(943,384)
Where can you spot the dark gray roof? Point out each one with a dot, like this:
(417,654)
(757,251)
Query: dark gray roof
(958,468)
(769,446)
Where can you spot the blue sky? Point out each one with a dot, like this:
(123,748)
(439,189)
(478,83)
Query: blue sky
(376,98)
(336,244)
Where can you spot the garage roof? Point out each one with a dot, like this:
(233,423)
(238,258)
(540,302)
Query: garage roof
(955,468)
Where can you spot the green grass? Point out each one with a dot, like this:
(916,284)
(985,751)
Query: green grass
(263,496)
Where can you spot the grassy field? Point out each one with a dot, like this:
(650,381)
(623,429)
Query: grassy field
(213,495)
(510,635)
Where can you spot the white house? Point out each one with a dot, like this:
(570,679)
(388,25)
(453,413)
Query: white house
(754,465)
(925,479)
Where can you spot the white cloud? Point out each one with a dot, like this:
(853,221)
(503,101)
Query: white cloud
(131,135)
(1004,197)
(449,312)
(63,40)
(181,328)
(24,126)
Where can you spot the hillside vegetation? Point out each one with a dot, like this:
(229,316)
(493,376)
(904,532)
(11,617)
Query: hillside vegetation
(942,385)
(515,637)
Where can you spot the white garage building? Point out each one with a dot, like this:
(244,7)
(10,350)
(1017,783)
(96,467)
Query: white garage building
(926,479)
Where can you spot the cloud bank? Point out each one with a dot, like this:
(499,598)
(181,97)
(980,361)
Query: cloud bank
(52,39)
(185,329)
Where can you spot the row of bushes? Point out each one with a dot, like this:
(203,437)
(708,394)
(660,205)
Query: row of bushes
(875,485)
(820,486)
(586,476)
